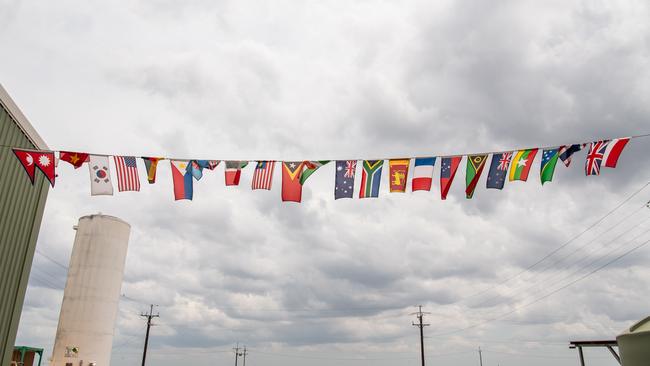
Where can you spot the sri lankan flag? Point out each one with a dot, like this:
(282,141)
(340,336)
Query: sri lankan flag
(370,178)
(475,165)
(521,164)
(291,187)
(310,168)
(151,164)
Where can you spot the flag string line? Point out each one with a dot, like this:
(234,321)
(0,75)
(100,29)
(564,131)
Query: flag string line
(357,159)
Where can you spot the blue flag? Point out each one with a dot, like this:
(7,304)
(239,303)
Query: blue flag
(345,171)
(566,151)
(498,170)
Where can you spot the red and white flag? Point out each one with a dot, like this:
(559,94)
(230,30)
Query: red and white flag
(614,150)
(233,172)
(263,176)
(127,173)
(43,160)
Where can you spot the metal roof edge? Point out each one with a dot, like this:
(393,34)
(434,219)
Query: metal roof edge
(21,120)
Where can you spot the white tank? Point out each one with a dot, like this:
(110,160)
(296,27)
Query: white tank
(92,292)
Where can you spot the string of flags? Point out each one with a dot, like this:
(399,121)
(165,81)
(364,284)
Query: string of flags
(510,166)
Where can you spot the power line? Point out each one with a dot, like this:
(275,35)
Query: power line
(548,255)
(546,295)
(563,259)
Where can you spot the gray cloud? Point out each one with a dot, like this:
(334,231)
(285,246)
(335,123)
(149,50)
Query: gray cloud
(337,279)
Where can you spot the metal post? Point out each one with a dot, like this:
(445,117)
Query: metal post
(582,357)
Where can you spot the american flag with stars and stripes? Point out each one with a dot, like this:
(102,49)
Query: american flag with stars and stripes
(127,173)
(263,176)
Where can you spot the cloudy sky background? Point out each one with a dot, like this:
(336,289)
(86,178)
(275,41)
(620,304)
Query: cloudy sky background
(333,282)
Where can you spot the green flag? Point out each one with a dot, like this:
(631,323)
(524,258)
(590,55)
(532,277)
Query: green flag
(475,165)
(549,159)
(310,168)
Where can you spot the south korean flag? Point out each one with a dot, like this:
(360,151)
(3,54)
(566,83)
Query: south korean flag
(100,176)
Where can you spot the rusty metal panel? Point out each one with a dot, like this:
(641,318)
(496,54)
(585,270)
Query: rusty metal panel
(21,211)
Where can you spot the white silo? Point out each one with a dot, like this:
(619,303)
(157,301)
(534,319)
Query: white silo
(92,292)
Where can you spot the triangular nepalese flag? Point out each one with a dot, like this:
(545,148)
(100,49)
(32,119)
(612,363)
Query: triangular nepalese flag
(475,165)
(310,168)
(547,168)
(521,164)
(448,168)
(43,160)
(399,171)
(291,187)
(182,179)
(498,170)
(344,182)
(100,176)
(151,165)
(423,174)
(370,178)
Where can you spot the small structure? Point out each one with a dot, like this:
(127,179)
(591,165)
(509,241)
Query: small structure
(582,344)
(25,356)
(634,344)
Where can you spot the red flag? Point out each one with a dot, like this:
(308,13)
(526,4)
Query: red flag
(291,187)
(233,172)
(447,173)
(614,150)
(77,159)
(43,160)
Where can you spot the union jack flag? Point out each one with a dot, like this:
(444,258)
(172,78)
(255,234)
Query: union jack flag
(504,161)
(595,157)
(350,168)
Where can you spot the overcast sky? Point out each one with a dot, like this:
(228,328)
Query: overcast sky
(330,282)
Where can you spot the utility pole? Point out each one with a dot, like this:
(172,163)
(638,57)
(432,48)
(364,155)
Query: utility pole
(149,316)
(421,325)
(245,353)
(237,354)
(480,355)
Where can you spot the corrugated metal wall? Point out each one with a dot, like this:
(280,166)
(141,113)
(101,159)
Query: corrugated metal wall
(21,210)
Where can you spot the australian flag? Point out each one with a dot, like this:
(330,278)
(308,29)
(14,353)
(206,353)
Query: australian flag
(498,170)
(345,171)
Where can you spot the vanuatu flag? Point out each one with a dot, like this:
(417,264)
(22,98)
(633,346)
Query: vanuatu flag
(475,165)
(151,164)
(549,159)
(370,178)
(521,164)
(291,187)
(310,168)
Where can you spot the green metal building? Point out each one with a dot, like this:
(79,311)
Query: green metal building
(21,211)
